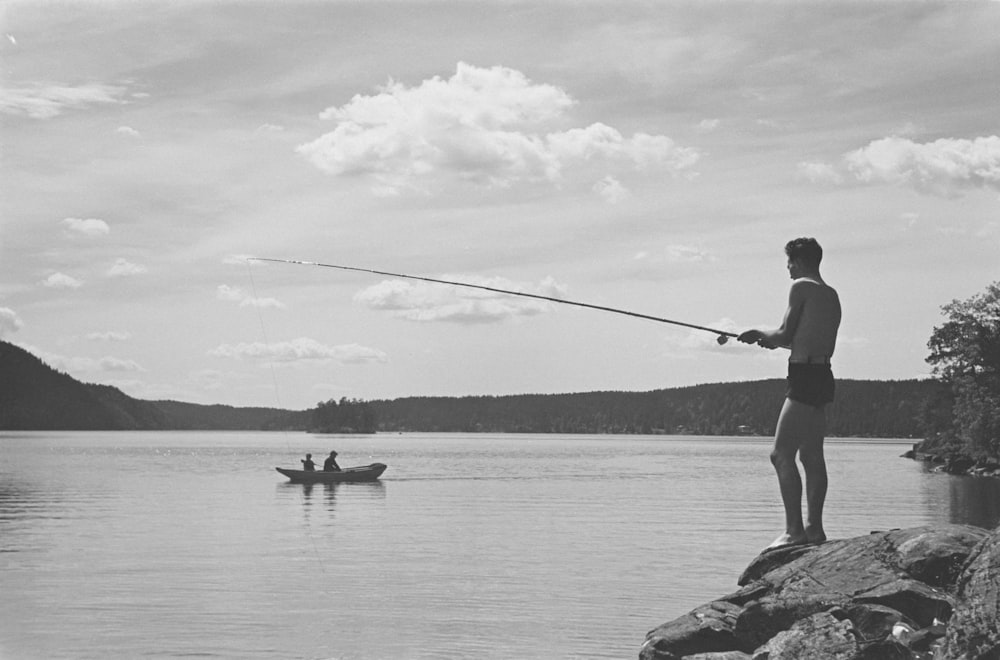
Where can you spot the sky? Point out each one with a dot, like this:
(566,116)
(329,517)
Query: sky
(652,157)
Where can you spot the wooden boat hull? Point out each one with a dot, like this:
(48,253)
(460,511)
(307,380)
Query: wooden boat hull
(352,474)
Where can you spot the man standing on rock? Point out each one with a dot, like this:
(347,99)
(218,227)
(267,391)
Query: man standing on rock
(809,330)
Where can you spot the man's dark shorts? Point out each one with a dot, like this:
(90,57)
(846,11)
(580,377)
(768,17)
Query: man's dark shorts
(811,384)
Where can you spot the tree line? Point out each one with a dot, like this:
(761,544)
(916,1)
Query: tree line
(955,413)
(862,409)
(345,416)
(33,396)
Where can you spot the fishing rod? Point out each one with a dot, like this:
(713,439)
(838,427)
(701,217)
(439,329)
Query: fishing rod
(722,335)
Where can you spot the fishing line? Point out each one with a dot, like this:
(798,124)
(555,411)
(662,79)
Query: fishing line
(722,335)
(263,332)
(277,396)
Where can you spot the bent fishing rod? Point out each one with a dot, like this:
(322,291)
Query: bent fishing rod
(722,335)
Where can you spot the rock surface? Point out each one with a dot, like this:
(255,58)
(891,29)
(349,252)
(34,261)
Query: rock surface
(885,595)
(952,463)
(974,629)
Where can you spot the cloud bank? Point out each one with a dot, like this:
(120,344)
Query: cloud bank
(425,301)
(110,335)
(946,167)
(237,295)
(61,281)
(42,101)
(124,268)
(479,126)
(87,226)
(301,349)
(687,345)
(676,254)
(106,364)
(10,322)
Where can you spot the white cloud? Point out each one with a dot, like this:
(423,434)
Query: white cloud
(989,230)
(772,124)
(687,343)
(907,128)
(676,254)
(110,335)
(269,128)
(611,189)
(61,281)
(207,379)
(819,173)
(687,254)
(106,363)
(231,293)
(946,166)
(425,301)
(262,302)
(708,125)
(127,130)
(481,126)
(10,322)
(123,268)
(598,141)
(47,101)
(87,226)
(85,364)
(241,260)
(301,349)
(237,295)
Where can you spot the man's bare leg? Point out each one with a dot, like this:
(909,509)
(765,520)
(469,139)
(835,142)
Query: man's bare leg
(795,425)
(814,464)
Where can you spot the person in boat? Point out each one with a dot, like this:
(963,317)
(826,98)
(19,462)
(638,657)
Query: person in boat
(330,464)
(809,331)
(307,463)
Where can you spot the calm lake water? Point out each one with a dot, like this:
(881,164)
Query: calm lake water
(170,545)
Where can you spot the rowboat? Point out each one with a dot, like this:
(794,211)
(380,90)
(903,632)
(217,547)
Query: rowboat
(359,473)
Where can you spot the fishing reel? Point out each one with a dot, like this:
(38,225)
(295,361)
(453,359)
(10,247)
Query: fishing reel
(722,339)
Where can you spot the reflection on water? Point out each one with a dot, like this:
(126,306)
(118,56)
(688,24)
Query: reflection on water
(22,510)
(328,494)
(974,501)
(961,500)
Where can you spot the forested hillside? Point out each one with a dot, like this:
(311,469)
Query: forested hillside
(863,409)
(35,396)
(193,416)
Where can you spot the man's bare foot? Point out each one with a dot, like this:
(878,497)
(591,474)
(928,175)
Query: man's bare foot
(786,540)
(815,535)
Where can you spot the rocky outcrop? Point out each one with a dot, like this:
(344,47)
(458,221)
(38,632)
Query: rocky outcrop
(951,462)
(915,593)
(974,629)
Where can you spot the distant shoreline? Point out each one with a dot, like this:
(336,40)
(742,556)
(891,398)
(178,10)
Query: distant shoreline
(33,396)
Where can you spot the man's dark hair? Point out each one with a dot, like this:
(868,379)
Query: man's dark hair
(806,249)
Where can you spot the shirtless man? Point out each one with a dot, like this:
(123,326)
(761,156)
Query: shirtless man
(809,330)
